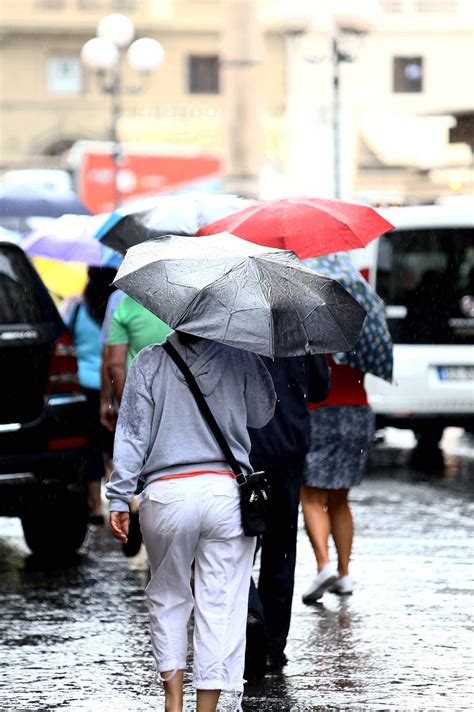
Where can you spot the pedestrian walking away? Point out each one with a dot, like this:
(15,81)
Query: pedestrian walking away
(108,401)
(84,317)
(342,429)
(190,506)
(280,448)
(246,299)
(130,328)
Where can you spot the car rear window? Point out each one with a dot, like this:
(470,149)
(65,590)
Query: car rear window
(22,294)
(426,278)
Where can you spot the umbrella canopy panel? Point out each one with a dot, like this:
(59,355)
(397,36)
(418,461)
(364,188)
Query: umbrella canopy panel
(21,201)
(268,303)
(70,239)
(62,280)
(308,226)
(180,248)
(180,214)
(373,352)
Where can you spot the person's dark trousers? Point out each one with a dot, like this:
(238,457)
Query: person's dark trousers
(255,650)
(278,556)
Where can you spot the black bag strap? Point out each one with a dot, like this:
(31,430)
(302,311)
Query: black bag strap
(75,313)
(206,411)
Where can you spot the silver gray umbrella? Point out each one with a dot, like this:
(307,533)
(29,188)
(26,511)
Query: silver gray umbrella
(241,294)
(182,214)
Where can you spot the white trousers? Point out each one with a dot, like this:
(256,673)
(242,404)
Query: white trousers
(198,519)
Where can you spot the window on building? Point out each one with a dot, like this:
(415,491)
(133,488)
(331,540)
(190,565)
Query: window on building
(108,5)
(407,74)
(51,4)
(203,74)
(125,5)
(64,74)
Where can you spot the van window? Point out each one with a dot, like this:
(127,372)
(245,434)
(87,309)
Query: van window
(426,278)
(21,300)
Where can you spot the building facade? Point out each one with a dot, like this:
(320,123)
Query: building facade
(398,98)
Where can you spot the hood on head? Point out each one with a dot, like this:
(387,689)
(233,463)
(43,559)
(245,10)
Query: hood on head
(206,359)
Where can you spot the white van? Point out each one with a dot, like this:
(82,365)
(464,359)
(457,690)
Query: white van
(424,271)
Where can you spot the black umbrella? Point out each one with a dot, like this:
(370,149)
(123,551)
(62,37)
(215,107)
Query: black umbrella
(181,214)
(241,294)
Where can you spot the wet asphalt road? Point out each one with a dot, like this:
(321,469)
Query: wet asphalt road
(77,638)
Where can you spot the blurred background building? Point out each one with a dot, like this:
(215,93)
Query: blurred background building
(406,101)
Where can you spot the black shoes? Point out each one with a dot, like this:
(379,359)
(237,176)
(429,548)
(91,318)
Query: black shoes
(257,661)
(274,663)
(132,547)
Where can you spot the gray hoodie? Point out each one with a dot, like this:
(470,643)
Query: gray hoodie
(160,430)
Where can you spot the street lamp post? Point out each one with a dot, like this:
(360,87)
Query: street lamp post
(338,56)
(349,18)
(340,19)
(104,55)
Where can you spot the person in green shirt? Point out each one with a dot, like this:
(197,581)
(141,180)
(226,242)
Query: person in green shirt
(132,328)
(137,327)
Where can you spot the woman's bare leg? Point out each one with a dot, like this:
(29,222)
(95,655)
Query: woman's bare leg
(316,519)
(207,700)
(173,690)
(342,528)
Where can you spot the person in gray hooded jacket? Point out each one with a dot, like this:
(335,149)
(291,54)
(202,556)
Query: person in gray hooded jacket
(190,506)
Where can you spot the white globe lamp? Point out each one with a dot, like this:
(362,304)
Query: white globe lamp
(145,54)
(99,54)
(117,28)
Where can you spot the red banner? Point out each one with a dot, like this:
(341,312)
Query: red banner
(138,175)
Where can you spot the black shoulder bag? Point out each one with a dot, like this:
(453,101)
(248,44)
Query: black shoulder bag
(254,489)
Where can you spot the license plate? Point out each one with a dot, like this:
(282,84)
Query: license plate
(456,373)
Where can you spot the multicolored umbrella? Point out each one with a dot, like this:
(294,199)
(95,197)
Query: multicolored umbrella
(373,352)
(308,226)
(70,239)
(61,279)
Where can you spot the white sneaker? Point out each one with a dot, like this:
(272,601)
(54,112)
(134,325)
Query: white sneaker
(323,581)
(343,586)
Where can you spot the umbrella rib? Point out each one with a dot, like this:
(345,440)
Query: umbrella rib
(261,283)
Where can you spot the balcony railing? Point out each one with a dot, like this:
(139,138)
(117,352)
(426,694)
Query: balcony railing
(88,5)
(36,16)
(25,13)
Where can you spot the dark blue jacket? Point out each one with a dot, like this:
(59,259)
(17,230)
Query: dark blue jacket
(285,440)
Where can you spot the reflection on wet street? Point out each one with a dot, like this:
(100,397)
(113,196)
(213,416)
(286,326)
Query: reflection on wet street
(76,638)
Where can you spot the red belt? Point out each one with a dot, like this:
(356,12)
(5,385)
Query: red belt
(194,473)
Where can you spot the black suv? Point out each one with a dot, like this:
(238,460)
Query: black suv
(42,413)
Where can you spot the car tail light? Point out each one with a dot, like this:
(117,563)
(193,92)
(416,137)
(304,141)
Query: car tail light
(63,374)
(67,443)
